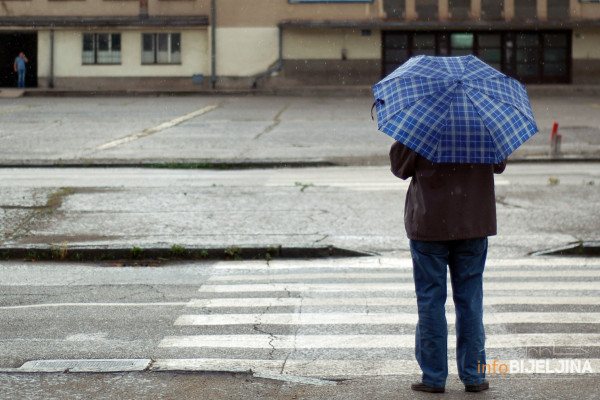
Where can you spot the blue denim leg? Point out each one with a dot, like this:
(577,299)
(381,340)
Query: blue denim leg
(467,261)
(430,260)
(21,82)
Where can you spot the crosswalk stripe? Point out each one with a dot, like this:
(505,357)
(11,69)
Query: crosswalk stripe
(250,302)
(396,275)
(395,263)
(259,341)
(349,318)
(380,287)
(327,294)
(336,368)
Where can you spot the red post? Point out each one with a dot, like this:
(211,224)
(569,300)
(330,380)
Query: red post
(555,132)
(555,139)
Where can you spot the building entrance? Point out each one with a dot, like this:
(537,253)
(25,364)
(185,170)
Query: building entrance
(529,56)
(11,44)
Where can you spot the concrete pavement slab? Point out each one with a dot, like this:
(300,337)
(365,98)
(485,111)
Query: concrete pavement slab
(230,129)
(540,206)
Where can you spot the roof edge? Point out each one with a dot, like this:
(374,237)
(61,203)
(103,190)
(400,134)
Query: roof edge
(65,22)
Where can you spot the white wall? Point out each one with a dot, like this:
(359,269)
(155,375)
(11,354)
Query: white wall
(243,52)
(586,43)
(327,43)
(68,55)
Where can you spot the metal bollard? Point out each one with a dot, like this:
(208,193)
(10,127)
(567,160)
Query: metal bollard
(555,140)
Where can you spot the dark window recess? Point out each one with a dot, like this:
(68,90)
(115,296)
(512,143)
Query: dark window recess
(459,9)
(556,56)
(526,9)
(427,9)
(559,9)
(395,9)
(395,50)
(530,56)
(492,9)
(528,61)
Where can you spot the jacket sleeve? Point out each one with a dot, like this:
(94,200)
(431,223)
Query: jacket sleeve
(403,161)
(499,168)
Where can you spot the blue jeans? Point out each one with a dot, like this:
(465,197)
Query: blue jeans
(21,81)
(466,260)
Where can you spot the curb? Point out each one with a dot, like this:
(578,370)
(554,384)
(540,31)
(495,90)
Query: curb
(332,91)
(249,164)
(180,164)
(98,366)
(82,366)
(157,256)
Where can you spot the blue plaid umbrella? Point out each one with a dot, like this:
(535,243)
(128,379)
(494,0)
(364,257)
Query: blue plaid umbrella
(454,109)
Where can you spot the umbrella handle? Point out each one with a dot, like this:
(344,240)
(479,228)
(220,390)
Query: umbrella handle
(377,101)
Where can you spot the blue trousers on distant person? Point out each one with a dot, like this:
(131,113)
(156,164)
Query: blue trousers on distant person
(466,261)
(21,80)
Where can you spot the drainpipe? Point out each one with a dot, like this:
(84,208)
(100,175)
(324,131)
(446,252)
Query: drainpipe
(51,79)
(277,67)
(213,55)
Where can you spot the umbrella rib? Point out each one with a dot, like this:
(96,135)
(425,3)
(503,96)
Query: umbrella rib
(520,107)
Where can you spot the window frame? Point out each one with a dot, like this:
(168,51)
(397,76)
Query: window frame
(114,57)
(155,50)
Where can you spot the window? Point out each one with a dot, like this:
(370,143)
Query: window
(492,9)
(330,1)
(161,48)
(424,44)
(101,48)
(530,56)
(556,54)
(559,9)
(490,49)
(527,45)
(459,9)
(427,9)
(526,9)
(394,9)
(461,44)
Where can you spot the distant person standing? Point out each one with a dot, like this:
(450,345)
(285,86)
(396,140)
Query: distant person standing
(20,68)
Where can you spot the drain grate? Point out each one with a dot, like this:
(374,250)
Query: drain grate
(105,365)
(579,249)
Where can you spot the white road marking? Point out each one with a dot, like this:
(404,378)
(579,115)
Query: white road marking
(387,287)
(396,275)
(163,126)
(250,302)
(397,263)
(375,277)
(334,368)
(509,341)
(65,305)
(350,318)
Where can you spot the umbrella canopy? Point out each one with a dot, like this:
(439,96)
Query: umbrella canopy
(454,109)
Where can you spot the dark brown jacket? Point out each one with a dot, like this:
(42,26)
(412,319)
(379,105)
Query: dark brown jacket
(446,201)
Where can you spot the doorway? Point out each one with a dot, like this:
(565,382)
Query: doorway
(11,44)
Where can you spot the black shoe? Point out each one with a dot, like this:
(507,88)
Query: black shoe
(421,387)
(485,385)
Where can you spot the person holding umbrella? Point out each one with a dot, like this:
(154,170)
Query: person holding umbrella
(455,121)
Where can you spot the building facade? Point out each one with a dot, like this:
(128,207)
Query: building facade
(136,44)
